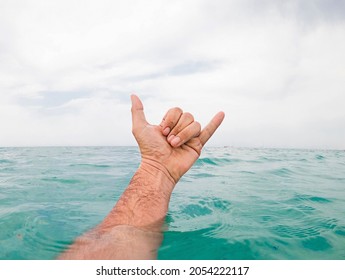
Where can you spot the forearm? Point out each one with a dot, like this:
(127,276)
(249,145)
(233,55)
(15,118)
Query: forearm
(132,230)
(145,202)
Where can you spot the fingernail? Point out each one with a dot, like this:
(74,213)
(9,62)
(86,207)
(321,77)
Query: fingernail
(175,141)
(170,137)
(166,131)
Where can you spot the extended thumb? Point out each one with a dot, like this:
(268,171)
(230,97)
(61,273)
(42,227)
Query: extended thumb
(138,116)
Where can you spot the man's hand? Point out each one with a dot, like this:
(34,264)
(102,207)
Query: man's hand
(175,144)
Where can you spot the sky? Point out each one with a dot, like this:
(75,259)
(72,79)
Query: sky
(276,68)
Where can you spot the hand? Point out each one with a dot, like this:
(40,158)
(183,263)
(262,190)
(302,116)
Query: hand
(175,144)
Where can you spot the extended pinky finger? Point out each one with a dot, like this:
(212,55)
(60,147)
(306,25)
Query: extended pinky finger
(208,131)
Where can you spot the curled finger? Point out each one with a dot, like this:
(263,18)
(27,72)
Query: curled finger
(185,120)
(170,120)
(189,132)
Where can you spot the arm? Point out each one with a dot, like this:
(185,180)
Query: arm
(132,230)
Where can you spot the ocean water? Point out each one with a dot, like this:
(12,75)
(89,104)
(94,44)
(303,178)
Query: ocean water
(235,203)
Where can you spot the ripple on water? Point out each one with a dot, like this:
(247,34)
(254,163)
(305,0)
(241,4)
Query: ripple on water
(295,232)
(320,157)
(305,197)
(36,234)
(211,203)
(61,180)
(340,230)
(91,166)
(221,230)
(302,229)
(220,204)
(6,161)
(198,213)
(205,161)
(201,175)
(219,161)
(195,210)
(282,172)
(200,245)
(29,234)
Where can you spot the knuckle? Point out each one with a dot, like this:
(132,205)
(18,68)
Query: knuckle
(175,110)
(199,146)
(197,143)
(188,116)
(197,125)
(174,131)
(170,123)
(183,135)
(178,110)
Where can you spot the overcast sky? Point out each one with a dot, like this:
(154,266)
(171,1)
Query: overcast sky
(276,68)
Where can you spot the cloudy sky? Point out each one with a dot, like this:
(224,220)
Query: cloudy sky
(276,68)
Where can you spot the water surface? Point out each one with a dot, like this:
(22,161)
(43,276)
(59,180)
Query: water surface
(235,203)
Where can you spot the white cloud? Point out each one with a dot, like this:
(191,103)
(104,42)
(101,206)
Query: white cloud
(67,69)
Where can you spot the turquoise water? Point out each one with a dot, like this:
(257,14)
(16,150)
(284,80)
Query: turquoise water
(235,203)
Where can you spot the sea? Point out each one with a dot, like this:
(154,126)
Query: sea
(233,204)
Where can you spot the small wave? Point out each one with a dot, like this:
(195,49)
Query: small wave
(90,165)
(220,204)
(247,172)
(269,159)
(305,208)
(282,171)
(205,207)
(318,199)
(202,175)
(311,228)
(319,157)
(215,161)
(196,210)
(203,161)
(293,231)
(6,161)
(340,230)
(215,203)
(220,230)
(61,180)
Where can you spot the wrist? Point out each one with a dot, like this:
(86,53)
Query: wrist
(158,172)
